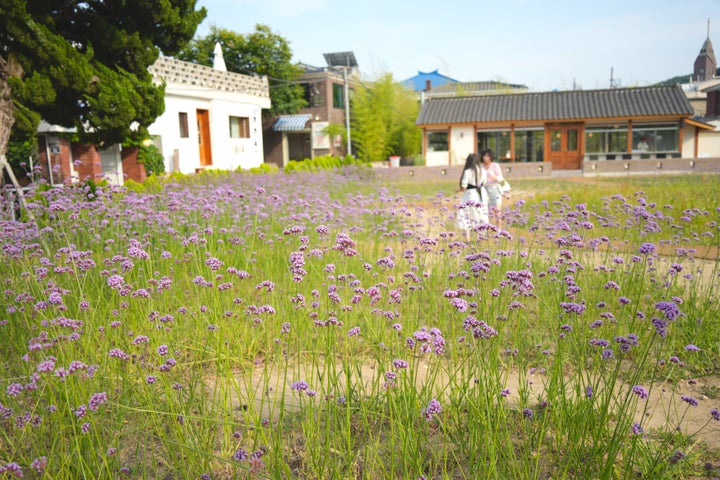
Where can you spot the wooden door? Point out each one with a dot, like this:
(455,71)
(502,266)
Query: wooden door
(203,126)
(563,146)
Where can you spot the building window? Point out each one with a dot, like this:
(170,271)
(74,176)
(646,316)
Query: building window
(338,96)
(312,95)
(239,127)
(496,141)
(652,138)
(183,120)
(655,138)
(606,139)
(437,141)
(529,145)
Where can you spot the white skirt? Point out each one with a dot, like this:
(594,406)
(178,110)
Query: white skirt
(473,210)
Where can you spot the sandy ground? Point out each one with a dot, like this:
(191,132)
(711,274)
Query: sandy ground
(663,409)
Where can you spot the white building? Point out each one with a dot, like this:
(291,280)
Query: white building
(212,117)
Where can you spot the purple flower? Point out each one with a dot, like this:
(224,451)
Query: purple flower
(39,464)
(589,391)
(96,400)
(14,389)
(669,309)
(572,307)
(433,408)
(640,391)
(353,332)
(81,411)
(115,281)
(397,363)
(12,468)
(715,414)
(689,400)
(677,456)
(637,429)
(692,348)
(299,386)
(647,248)
(527,413)
(240,455)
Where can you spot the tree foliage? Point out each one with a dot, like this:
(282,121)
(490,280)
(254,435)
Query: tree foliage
(261,52)
(383,115)
(84,64)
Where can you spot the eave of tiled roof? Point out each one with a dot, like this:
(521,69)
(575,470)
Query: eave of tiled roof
(557,106)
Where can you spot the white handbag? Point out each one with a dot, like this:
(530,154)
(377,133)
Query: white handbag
(504,187)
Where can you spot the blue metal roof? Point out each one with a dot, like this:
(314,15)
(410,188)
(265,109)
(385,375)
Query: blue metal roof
(291,123)
(419,81)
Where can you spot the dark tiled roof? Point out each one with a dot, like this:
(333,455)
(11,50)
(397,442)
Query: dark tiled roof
(480,87)
(557,106)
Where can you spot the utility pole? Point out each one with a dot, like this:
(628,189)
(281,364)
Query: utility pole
(346,61)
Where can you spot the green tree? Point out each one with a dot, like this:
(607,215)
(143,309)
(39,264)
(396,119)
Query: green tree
(383,115)
(261,52)
(84,64)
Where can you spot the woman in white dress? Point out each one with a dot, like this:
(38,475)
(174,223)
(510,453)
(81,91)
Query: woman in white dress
(473,202)
(495,177)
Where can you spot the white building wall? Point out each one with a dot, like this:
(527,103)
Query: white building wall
(709,144)
(167,128)
(462,144)
(231,153)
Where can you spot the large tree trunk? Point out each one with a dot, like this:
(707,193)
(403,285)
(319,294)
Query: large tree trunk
(9,68)
(7,109)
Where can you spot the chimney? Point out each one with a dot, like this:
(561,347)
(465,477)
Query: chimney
(428,85)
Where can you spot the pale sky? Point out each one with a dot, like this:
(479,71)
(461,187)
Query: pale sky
(543,44)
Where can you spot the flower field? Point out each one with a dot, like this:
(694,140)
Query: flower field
(328,325)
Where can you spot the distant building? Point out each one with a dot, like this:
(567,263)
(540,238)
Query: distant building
(304,135)
(566,129)
(426,81)
(705,65)
(212,118)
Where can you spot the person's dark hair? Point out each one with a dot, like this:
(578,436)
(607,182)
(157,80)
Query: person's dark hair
(487,151)
(471,162)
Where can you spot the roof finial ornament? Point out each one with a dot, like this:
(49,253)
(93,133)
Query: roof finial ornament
(218,59)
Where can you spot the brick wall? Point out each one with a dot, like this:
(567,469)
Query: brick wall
(60,154)
(131,168)
(649,166)
(88,165)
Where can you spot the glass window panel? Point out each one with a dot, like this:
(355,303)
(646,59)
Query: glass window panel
(594,141)
(529,145)
(338,96)
(667,141)
(437,141)
(498,142)
(572,140)
(239,127)
(183,121)
(617,141)
(555,140)
(537,146)
(522,145)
